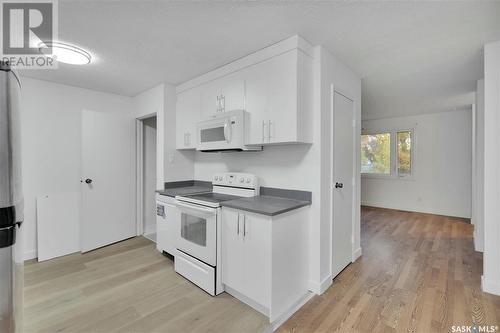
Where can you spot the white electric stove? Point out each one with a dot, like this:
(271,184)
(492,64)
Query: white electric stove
(199,238)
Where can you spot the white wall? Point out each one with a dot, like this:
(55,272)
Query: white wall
(479,169)
(172,164)
(442,165)
(491,258)
(51,141)
(300,166)
(333,72)
(149,150)
(150,103)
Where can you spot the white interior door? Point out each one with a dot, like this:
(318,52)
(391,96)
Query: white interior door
(108,207)
(342,176)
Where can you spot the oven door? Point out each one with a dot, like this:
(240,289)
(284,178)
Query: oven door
(198,232)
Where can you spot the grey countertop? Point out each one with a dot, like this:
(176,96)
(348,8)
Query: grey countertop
(266,205)
(172,192)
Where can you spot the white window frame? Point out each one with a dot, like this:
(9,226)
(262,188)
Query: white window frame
(394,150)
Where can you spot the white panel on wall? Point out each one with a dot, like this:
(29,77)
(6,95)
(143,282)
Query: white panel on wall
(58,224)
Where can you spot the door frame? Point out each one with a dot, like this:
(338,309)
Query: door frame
(333,90)
(139,171)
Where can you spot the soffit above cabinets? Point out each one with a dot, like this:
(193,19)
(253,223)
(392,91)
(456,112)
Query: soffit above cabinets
(292,43)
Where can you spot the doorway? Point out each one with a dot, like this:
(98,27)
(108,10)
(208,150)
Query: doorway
(147,148)
(343,175)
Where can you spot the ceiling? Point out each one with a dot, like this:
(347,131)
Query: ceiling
(414,57)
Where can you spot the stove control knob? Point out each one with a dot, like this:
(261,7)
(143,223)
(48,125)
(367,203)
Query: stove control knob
(248,180)
(242,180)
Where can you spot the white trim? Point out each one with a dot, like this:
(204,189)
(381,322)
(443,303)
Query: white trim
(244,299)
(490,287)
(290,311)
(28,255)
(356,254)
(478,247)
(410,209)
(139,168)
(139,187)
(473,219)
(355,166)
(320,287)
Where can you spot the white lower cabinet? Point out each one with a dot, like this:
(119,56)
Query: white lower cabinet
(265,259)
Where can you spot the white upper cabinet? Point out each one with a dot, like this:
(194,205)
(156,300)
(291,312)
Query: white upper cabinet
(224,94)
(187,114)
(279,100)
(274,85)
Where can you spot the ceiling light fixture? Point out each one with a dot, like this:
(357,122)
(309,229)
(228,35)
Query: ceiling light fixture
(65,53)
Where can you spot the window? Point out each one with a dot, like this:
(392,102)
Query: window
(404,153)
(376,153)
(387,154)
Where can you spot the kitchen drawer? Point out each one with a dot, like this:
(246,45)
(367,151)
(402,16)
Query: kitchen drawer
(196,271)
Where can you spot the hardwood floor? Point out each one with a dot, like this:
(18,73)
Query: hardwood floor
(126,287)
(418,273)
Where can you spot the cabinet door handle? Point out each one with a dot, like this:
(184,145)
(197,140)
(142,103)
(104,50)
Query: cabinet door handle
(269,130)
(244,225)
(238,227)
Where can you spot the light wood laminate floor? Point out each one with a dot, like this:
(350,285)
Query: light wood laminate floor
(126,287)
(418,273)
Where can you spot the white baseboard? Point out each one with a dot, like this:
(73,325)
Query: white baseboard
(294,308)
(416,210)
(28,255)
(242,298)
(477,247)
(490,287)
(320,287)
(150,229)
(356,254)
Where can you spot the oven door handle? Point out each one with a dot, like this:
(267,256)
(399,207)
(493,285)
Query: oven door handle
(195,207)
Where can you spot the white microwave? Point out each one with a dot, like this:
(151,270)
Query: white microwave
(224,132)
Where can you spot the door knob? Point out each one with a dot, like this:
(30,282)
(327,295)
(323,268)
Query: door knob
(88,181)
(339,185)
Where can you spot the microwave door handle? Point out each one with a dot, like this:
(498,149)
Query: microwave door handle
(227,131)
